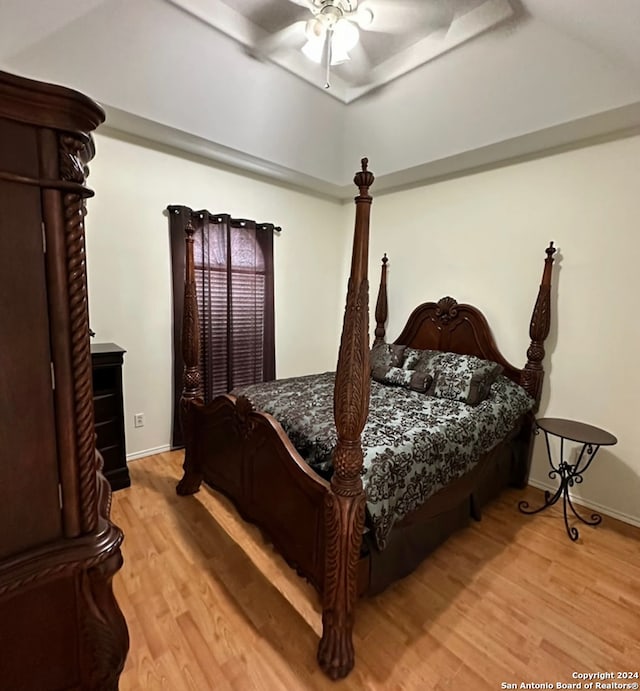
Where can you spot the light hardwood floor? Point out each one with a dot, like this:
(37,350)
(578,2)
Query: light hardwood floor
(209,605)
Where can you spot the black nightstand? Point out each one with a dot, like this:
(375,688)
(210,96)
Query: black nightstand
(591,438)
(107,360)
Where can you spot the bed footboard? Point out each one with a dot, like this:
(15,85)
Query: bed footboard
(247,456)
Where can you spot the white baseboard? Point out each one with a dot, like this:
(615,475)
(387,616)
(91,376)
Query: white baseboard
(148,452)
(625,518)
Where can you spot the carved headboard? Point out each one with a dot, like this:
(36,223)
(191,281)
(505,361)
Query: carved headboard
(457,328)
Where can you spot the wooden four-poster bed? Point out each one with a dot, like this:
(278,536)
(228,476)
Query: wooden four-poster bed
(319,525)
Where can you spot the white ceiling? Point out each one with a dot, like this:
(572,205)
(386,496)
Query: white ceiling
(402,35)
(553,74)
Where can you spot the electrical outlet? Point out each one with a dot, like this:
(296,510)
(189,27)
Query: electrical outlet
(138,420)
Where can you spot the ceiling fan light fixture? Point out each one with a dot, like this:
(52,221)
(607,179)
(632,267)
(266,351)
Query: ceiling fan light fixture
(339,57)
(333,32)
(314,30)
(345,36)
(313,48)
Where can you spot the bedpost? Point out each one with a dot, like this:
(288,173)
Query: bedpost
(345,502)
(381,304)
(538,331)
(191,479)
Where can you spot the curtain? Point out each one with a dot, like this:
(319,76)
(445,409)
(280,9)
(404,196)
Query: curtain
(234,284)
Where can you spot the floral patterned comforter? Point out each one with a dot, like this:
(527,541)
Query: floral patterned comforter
(413,444)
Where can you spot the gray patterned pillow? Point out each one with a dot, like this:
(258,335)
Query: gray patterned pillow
(419,359)
(387,355)
(465,378)
(409,379)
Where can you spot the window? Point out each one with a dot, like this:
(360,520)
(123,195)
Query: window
(234,282)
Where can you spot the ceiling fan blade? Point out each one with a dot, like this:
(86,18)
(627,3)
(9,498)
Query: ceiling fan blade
(400,16)
(291,36)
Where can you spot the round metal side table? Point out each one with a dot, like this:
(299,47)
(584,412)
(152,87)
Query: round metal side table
(591,438)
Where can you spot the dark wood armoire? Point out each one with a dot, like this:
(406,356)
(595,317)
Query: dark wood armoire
(60,625)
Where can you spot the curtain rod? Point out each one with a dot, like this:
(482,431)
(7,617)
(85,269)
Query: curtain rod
(221,218)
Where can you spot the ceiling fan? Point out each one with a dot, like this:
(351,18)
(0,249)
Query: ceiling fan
(333,30)
(329,31)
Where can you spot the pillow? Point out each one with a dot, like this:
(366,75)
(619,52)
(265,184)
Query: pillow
(387,355)
(464,378)
(419,359)
(409,379)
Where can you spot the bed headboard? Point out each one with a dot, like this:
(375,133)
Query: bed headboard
(457,328)
(461,328)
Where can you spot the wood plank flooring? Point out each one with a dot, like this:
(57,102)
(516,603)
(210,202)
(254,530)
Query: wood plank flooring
(209,604)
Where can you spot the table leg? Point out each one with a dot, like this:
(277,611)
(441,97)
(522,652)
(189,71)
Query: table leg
(548,501)
(570,474)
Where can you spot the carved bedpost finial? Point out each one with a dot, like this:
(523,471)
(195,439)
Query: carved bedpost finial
(538,332)
(381,304)
(364,179)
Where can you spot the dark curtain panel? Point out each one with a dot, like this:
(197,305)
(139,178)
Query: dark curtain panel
(234,284)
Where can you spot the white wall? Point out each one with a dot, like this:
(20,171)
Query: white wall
(481,239)
(130,278)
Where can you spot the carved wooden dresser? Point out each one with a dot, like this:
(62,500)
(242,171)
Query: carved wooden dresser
(60,626)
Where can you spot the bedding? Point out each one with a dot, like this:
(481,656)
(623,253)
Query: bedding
(464,378)
(397,376)
(387,355)
(413,444)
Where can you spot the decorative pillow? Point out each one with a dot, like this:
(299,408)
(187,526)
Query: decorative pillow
(420,360)
(409,379)
(387,355)
(465,378)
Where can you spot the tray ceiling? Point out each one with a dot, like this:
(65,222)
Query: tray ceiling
(184,74)
(403,35)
